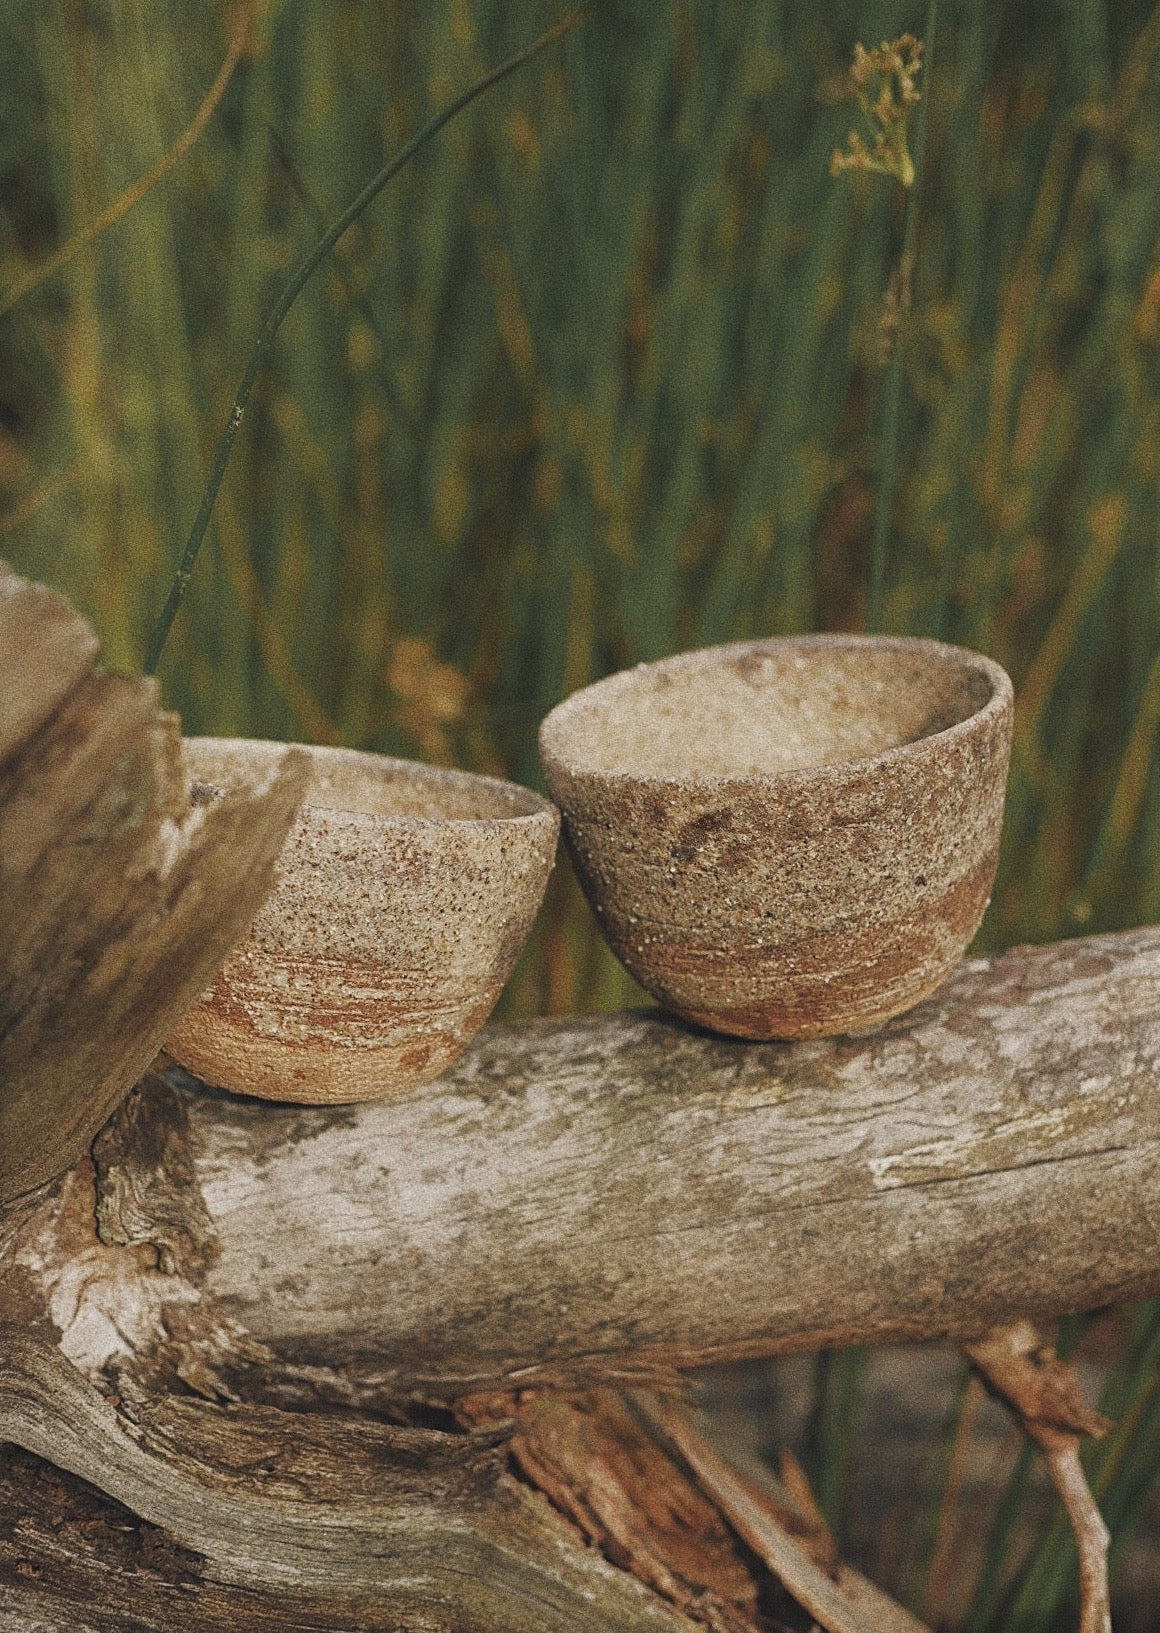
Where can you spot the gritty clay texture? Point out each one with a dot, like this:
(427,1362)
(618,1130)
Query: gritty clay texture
(404,895)
(787,838)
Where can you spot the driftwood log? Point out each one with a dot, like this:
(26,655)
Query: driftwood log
(619,1196)
(578,1203)
(409,1366)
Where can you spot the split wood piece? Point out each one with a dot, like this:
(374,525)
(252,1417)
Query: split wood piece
(601,1467)
(640,1482)
(118,900)
(1044,1395)
(278,1521)
(607,1199)
(839,1598)
(395,1527)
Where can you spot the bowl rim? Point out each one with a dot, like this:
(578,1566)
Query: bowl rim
(537,806)
(1000,704)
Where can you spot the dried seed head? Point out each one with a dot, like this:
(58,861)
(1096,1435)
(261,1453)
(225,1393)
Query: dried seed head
(882,82)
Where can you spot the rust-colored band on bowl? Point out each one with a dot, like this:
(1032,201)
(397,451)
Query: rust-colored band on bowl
(404,895)
(787,838)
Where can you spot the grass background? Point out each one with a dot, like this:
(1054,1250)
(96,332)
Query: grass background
(598,377)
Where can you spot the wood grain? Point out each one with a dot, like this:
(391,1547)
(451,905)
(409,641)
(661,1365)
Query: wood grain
(282,1521)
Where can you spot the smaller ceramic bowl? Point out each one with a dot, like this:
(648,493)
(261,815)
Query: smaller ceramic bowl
(787,838)
(404,895)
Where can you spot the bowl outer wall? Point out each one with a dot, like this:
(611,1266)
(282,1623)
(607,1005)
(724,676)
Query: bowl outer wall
(380,952)
(795,904)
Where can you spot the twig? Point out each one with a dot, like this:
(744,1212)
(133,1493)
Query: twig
(1044,1395)
(1091,1538)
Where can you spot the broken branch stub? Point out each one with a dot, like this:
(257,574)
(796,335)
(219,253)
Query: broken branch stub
(1044,1394)
(118,901)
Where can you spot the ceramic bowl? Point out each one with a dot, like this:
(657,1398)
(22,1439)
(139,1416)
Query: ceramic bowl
(787,838)
(404,895)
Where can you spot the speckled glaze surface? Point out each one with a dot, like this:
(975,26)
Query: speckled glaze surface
(791,837)
(404,895)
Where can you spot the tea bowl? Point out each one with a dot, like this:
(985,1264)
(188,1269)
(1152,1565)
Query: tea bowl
(403,897)
(787,838)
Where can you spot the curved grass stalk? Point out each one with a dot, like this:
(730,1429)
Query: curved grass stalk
(302,273)
(145,184)
(887,473)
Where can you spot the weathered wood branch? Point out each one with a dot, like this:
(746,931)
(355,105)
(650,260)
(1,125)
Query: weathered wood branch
(616,1191)
(618,1196)
(285,1521)
(577,1201)
(118,900)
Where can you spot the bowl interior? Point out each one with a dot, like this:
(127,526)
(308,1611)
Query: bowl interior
(768,707)
(365,784)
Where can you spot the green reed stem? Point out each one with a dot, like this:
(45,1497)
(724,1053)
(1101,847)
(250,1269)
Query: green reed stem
(302,273)
(884,504)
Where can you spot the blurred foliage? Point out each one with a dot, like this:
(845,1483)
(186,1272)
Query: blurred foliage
(602,376)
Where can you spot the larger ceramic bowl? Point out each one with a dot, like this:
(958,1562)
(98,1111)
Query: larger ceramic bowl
(787,838)
(404,895)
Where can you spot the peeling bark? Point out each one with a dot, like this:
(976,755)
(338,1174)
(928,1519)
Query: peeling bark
(838,1598)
